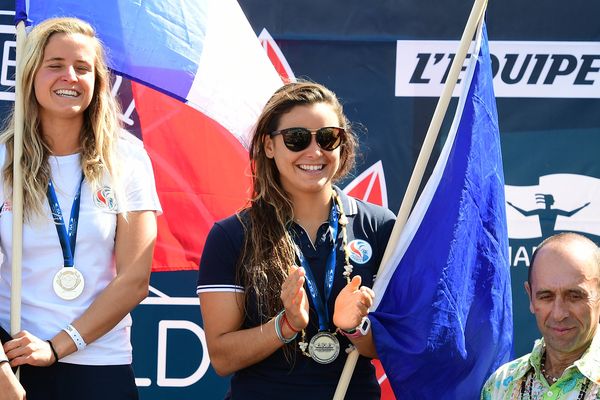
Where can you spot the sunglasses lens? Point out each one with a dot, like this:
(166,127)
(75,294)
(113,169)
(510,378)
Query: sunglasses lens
(296,139)
(329,138)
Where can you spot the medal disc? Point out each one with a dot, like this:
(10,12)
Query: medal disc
(324,348)
(68,283)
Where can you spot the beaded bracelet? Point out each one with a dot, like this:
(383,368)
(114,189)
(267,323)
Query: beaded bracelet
(278,329)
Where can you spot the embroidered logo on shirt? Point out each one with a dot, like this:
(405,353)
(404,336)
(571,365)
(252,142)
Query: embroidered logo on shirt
(360,251)
(104,198)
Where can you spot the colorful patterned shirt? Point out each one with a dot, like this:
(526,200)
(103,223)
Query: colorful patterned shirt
(523,379)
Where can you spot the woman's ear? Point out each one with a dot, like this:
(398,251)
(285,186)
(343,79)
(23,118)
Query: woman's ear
(269,146)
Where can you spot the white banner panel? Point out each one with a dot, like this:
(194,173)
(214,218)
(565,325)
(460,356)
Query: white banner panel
(521,69)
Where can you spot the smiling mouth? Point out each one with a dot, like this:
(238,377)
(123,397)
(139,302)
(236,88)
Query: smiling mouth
(561,331)
(67,93)
(309,167)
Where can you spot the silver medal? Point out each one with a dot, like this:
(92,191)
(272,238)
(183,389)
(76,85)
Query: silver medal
(324,347)
(68,283)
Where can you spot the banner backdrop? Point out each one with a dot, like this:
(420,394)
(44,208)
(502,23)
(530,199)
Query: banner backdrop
(388,61)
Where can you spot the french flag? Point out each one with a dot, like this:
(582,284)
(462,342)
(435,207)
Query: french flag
(200,78)
(443,321)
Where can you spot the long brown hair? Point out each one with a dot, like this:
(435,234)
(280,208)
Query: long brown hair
(268,251)
(100,131)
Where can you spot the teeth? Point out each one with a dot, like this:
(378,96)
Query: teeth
(308,167)
(67,93)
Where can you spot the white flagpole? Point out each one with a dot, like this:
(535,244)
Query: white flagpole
(17,199)
(475,16)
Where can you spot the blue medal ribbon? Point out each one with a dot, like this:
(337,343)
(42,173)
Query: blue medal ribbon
(320,305)
(67,238)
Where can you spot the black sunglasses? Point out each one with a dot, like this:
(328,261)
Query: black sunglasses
(298,139)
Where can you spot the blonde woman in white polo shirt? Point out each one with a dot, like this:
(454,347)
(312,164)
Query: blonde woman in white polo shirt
(90,222)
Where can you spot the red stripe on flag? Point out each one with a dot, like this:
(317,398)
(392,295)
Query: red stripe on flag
(384,382)
(279,67)
(201,173)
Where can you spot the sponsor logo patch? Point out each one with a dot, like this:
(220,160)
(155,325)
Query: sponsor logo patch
(360,251)
(104,198)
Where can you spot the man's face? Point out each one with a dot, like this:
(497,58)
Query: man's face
(565,296)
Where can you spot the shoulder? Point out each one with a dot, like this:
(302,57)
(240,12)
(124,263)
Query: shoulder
(374,211)
(218,263)
(130,147)
(226,235)
(231,226)
(503,380)
(363,209)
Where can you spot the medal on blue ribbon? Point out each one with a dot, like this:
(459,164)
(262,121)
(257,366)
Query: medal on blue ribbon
(324,347)
(68,282)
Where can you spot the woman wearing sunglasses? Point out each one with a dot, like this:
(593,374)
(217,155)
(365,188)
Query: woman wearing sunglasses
(284,284)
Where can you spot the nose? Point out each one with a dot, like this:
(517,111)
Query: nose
(314,147)
(70,74)
(560,310)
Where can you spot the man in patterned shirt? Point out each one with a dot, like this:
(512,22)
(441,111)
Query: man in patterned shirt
(564,293)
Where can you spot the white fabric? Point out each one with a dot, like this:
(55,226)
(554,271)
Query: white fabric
(44,313)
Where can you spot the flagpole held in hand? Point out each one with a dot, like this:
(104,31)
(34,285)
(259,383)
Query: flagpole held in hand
(477,12)
(17,191)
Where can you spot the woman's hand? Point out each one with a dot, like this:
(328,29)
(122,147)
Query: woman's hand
(26,348)
(293,296)
(352,304)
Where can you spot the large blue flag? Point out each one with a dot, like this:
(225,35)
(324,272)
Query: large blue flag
(444,321)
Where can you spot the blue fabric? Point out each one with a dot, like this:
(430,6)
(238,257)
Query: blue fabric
(444,323)
(21,12)
(151,41)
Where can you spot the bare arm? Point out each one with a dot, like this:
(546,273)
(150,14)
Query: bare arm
(134,245)
(232,348)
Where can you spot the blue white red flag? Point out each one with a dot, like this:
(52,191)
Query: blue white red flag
(205,54)
(443,323)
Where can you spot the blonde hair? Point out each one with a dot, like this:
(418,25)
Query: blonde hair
(100,131)
(268,250)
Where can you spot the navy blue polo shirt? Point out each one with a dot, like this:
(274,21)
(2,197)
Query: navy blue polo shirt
(368,230)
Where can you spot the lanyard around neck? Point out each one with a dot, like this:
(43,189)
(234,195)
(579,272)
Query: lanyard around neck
(321,306)
(67,238)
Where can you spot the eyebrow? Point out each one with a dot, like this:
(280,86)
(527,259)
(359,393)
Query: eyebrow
(569,291)
(63,59)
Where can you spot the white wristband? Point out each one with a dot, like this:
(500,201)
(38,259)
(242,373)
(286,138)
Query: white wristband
(76,336)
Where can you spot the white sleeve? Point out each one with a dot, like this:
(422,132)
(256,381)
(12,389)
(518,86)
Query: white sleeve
(138,185)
